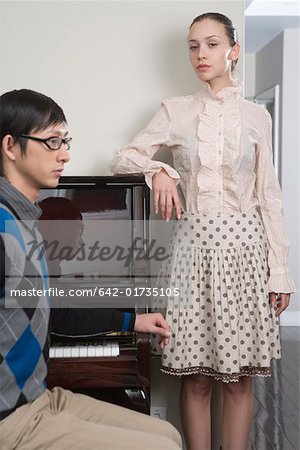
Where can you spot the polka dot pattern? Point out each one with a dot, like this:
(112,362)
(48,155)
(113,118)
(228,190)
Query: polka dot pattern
(222,323)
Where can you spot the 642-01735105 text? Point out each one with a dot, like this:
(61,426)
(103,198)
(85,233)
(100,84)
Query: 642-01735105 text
(96,292)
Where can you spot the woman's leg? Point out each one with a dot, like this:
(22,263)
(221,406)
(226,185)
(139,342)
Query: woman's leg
(237,414)
(195,398)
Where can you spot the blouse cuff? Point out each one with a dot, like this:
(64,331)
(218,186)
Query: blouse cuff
(281,283)
(157,166)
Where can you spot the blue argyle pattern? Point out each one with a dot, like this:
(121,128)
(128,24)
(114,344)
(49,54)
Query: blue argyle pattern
(23,330)
(22,358)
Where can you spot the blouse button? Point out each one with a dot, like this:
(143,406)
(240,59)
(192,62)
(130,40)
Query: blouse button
(220,115)
(220,132)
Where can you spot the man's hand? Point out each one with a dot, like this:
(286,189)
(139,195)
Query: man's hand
(153,323)
(165,195)
(280,300)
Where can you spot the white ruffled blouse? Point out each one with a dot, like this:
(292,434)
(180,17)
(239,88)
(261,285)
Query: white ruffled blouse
(222,154)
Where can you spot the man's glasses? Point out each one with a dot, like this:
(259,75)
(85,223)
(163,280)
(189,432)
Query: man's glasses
(53,142)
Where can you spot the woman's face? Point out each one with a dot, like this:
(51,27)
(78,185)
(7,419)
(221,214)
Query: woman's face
(210,51)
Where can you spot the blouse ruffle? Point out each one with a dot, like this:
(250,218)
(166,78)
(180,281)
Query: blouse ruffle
(281,283)
(209,139)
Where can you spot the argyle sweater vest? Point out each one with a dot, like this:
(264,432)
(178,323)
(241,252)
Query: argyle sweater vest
(24,342)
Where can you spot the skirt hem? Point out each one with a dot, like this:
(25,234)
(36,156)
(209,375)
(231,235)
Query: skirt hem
(218,376)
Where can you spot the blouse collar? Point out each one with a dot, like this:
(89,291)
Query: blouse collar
(227,92)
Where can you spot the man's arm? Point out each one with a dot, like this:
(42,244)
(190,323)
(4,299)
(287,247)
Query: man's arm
(86,321)
(83,322)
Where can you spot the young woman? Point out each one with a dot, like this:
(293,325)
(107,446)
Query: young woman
(229,258)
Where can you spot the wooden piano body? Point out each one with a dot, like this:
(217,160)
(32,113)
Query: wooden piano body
(122,379)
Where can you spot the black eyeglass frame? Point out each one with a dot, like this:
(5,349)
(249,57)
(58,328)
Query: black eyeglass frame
(65,141)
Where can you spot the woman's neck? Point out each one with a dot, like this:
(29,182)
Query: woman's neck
(219,83)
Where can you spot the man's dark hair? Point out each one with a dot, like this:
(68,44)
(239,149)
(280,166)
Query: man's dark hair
(24,111)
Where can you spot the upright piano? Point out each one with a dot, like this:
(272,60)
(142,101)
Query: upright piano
(112,366)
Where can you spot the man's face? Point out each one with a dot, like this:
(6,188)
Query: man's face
(40,167)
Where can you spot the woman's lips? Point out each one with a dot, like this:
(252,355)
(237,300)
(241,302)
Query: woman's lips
(203,67)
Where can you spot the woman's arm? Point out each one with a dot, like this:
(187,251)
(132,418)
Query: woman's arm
(136,157)
(270,199)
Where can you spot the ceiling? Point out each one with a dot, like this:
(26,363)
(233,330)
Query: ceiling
(265,19)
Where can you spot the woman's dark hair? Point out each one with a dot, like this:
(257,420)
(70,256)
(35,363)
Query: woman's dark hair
(229,28)
(24,111)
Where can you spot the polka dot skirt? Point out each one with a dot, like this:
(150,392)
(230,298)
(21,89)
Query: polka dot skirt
(221,321)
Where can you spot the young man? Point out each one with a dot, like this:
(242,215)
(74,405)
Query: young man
(34,149)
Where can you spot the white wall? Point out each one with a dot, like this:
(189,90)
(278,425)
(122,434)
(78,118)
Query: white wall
(278,63)
(108,63)
(250,68)
(269,65)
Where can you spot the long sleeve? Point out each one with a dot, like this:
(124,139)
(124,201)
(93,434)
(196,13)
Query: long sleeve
(270,199)
(76,322)
(136,157)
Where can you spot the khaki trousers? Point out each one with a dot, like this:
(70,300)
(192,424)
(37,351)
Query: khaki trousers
(61,420)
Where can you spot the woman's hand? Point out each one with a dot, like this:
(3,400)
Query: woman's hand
(282,301)
(165,195)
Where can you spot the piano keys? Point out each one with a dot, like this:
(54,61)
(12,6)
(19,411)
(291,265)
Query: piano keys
(85,350)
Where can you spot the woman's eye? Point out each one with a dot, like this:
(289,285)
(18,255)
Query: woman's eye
(212,44)
(193,47)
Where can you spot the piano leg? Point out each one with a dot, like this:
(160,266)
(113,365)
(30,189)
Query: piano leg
(139,400)
(136,399)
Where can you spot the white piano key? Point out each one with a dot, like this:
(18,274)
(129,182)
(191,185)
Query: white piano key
(66,352)
(91,351)
(83,351)
(106,348)
(52,352)
(75,351)
(99,350)
(59,352)
(115,350)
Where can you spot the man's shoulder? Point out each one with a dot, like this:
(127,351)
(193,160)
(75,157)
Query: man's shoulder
(6,214)
(6,209)
(10,230)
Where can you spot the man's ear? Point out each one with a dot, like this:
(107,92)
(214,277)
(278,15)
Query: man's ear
(9,147)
